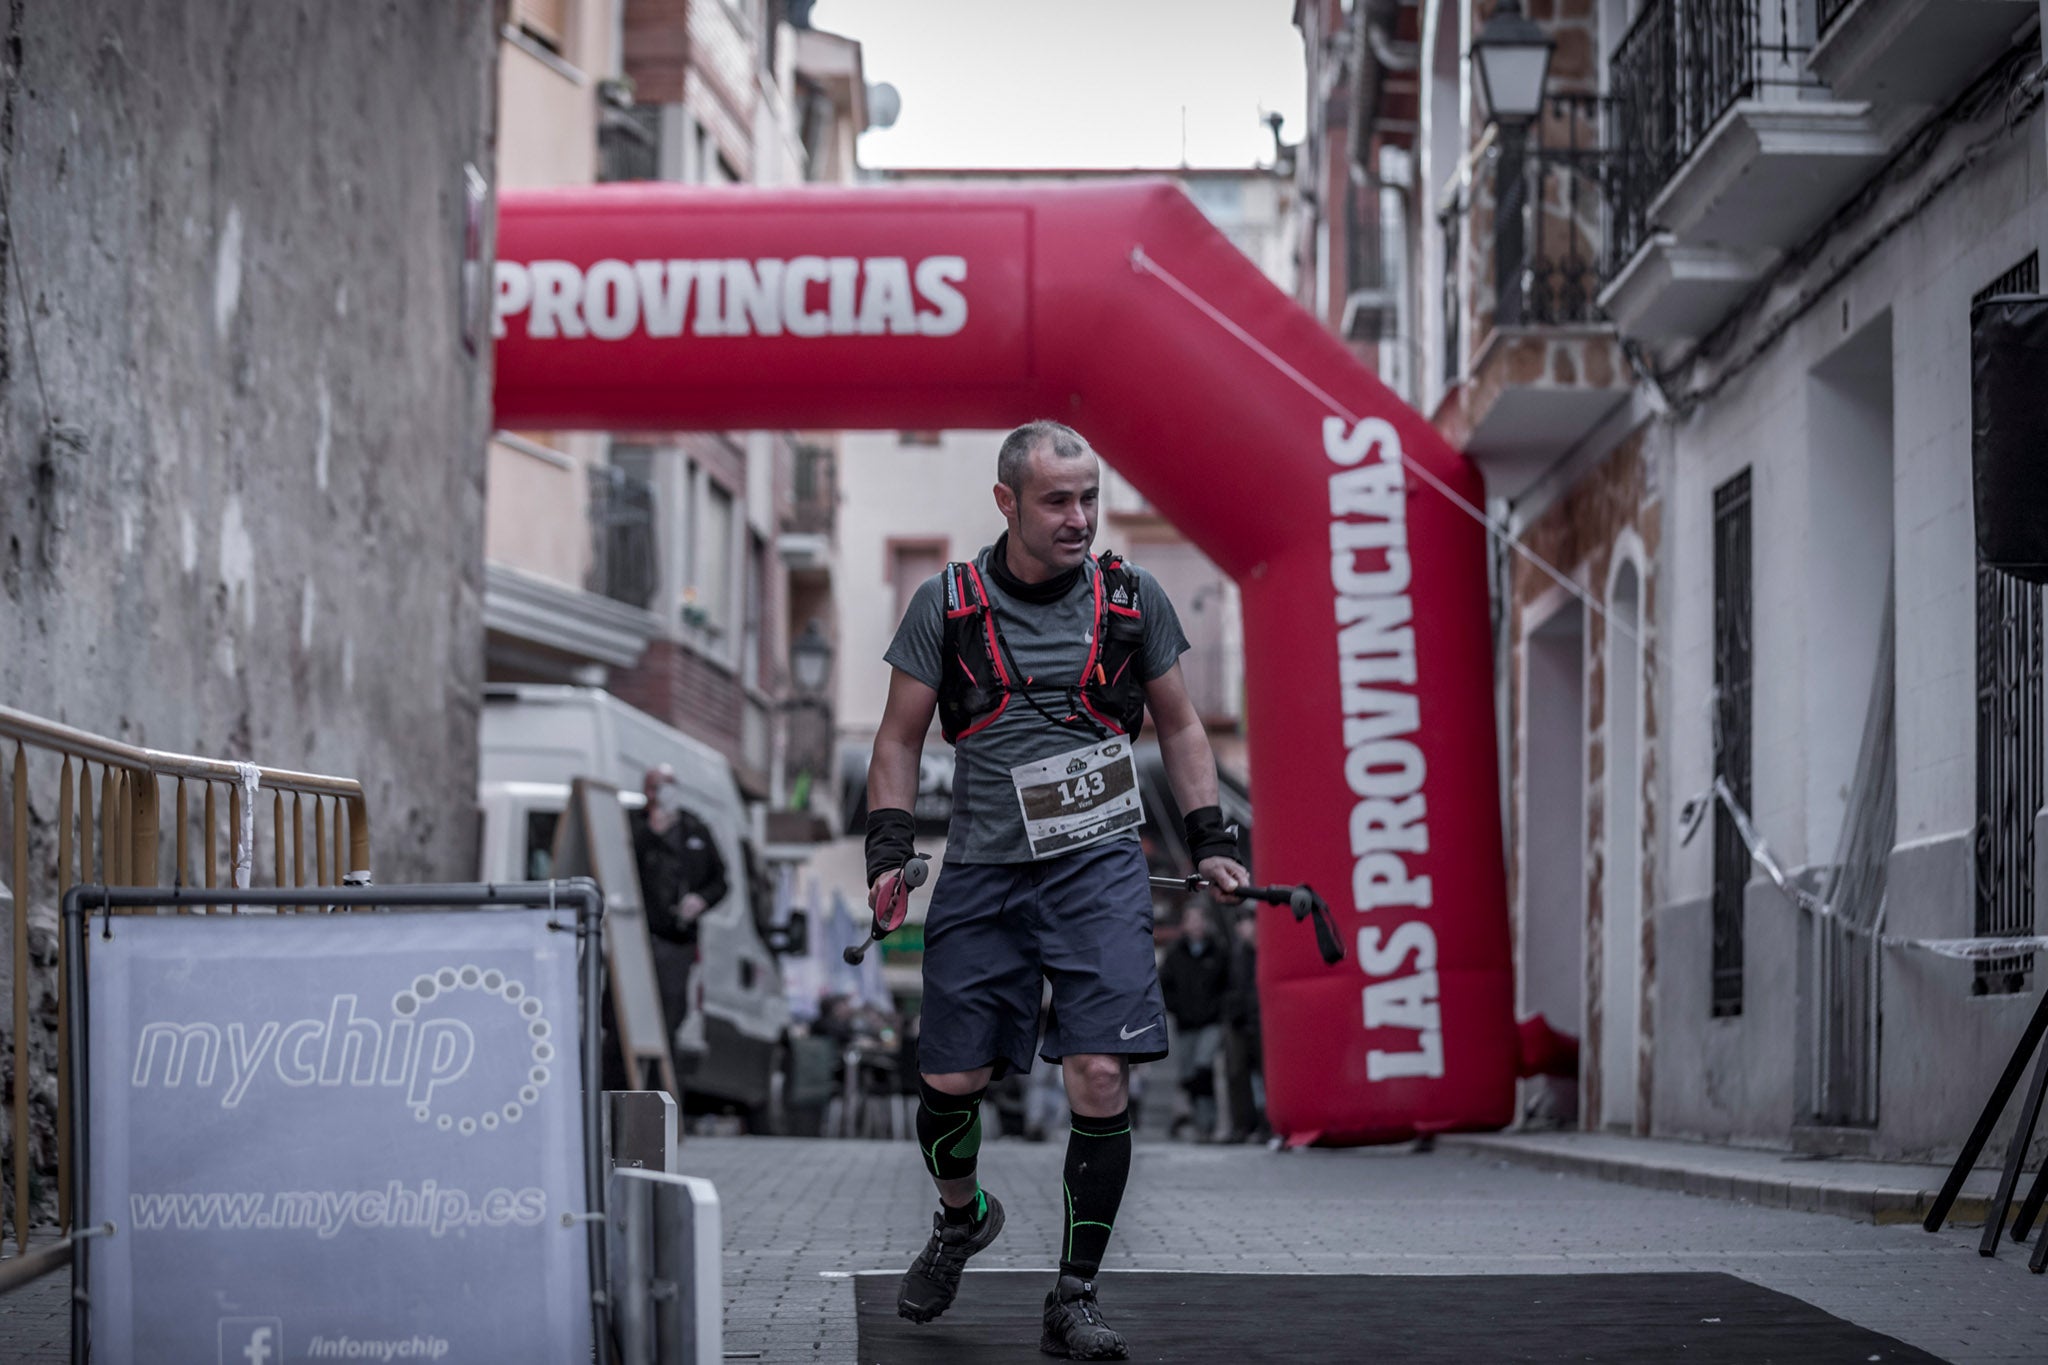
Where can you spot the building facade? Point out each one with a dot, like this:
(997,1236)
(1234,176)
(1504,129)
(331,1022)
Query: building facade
(1704,323)
(675,568)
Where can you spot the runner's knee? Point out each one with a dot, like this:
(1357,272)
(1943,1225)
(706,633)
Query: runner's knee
(960,1082)
(1097,1081)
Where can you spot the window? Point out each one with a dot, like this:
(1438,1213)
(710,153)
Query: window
(1732,691)
(625,559)
(715,560)
(911,562)
(2010,781)
(753,664)
(684,565)
(547,22)
(540,844)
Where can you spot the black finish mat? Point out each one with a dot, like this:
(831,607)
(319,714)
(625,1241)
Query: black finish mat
(1191,1319)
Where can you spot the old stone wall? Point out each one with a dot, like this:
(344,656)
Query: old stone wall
(242,418)
(241,434)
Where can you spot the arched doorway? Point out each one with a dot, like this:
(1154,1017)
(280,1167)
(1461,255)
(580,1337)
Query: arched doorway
(1119,309)
(1621,889)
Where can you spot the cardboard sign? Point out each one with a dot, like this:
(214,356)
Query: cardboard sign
(593,840)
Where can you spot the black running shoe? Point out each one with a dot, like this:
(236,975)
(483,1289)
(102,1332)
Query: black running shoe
(1074,1326)
(934,1277)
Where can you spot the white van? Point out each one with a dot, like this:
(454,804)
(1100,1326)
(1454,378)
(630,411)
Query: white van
(535,739)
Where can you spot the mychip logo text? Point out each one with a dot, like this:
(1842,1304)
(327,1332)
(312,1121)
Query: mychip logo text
(423,1048)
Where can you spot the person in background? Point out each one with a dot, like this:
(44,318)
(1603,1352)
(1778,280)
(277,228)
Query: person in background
(1241,1042)
(682,875)
(1194,975)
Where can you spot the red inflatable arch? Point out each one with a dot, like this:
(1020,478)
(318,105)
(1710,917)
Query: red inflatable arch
(1119,309)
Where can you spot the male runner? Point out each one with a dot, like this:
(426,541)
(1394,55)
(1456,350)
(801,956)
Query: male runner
(1040,662)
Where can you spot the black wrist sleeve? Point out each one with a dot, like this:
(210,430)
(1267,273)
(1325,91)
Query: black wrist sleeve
(890,840)
(1208,836)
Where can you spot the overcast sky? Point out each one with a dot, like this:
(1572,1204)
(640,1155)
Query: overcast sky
(1076,83)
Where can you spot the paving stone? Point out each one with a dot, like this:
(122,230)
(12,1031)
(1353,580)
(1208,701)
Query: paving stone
(801,1215)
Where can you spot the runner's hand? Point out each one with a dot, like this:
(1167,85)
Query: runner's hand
(874,892)
(1225,875)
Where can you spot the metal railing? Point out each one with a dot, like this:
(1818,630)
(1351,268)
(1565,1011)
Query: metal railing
(112,834)
(2010,781)
(628,143)
(1680,67)
(1734,693)
(814,497)
(1563,245)
(1642,121)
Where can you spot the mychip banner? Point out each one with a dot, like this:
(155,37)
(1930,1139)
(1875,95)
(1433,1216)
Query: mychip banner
(336,1137)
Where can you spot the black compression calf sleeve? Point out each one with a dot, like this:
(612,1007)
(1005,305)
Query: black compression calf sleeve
(1098,1165)
(948,1131)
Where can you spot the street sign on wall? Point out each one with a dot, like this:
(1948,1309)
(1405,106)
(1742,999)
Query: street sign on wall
(337,1137)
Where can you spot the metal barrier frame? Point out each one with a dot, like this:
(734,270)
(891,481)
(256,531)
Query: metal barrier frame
(667,1229)
(579,894)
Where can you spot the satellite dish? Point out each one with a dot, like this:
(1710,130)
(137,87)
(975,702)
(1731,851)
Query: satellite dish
(884,105)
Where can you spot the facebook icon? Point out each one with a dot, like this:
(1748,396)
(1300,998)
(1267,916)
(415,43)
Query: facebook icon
(251,1341)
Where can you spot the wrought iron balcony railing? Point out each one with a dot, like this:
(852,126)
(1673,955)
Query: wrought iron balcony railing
(1681,66)
(1547,193)
(1566,188)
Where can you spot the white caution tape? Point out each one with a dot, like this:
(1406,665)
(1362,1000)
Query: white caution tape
(1961,949)
(249,778)
(1969,949)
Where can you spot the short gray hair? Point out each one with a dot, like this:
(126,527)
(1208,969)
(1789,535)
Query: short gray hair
(1015,455)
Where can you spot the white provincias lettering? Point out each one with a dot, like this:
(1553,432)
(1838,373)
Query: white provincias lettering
(804,296)
(1384,767)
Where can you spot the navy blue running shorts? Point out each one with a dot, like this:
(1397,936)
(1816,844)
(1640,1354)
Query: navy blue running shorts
(993,931)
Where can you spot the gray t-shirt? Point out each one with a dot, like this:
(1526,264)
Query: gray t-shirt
(1050,643)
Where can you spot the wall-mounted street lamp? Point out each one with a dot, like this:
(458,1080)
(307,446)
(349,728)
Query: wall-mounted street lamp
(1512,55)
(810,660)
(810,669)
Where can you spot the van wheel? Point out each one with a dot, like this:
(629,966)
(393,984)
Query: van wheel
(770,1118)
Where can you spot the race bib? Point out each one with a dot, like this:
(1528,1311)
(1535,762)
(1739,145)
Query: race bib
(1079,798)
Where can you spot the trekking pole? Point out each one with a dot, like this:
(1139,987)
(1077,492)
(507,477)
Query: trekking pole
(1302,900)
(892,902)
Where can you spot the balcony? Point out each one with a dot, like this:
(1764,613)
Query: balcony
(1728,152)
(810,524)
(1911,51)
(1548,367)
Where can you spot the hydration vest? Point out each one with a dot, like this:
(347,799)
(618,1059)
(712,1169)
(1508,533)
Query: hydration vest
(978,682)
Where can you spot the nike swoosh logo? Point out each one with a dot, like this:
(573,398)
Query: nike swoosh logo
(1129,1033)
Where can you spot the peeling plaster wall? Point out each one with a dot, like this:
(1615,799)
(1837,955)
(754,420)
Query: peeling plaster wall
(248,522)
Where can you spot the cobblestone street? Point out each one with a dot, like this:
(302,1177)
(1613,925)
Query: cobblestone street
(800,1215)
